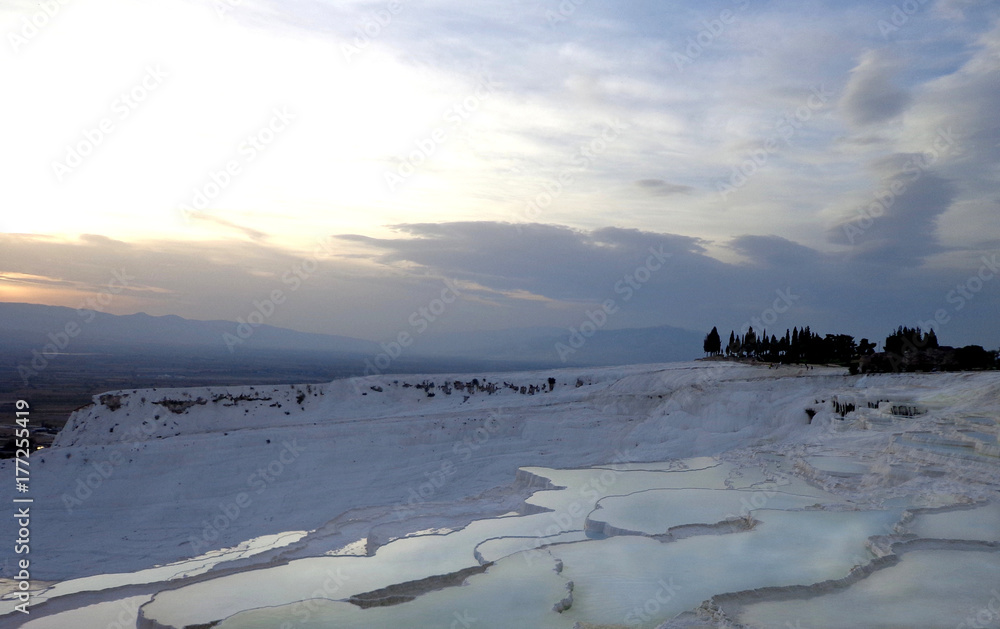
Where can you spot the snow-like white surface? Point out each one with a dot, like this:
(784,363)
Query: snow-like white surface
(655,512)
(515,593)
(927,589)
(136,500)
(979,523)
(616,577)
(111,614)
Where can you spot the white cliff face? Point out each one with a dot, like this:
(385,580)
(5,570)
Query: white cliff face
(663,493)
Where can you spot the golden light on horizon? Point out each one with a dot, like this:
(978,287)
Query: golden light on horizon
(37,289)
(48,291)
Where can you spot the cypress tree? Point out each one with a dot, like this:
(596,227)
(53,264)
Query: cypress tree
(712,344)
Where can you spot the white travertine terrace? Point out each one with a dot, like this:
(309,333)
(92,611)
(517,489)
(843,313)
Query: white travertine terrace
(690,494)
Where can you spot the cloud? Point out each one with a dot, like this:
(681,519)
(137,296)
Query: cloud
(509,276)
(558,83)
(661,188)
(550,260)
(775,252)
(865,140)
(963,105)
(871,95)
(898,225)
(868,290)
(249,232)
(958,9)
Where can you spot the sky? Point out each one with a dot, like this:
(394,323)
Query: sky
(506,164)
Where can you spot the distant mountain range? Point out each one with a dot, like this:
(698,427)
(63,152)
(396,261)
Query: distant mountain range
(32,324)
(37,325)
(558,346)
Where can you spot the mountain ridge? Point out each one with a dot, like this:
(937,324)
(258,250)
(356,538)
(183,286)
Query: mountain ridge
(41,325)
